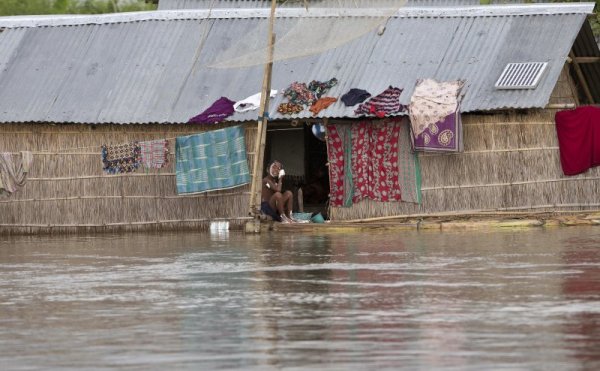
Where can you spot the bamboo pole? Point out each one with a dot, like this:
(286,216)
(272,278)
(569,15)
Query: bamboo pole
(261,137)
(73,198)
(560,105)
(508,184)
(581,78)
(571,85)
(490,212)
(124,223)
(438,154)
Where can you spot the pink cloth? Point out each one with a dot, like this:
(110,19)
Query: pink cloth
(154,153)
(578,134)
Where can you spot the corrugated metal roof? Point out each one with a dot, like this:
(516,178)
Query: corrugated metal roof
(207,4)
(151,67)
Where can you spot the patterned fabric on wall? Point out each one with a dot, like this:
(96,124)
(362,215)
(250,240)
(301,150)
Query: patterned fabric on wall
(372,159)
(121,158)
(211,161)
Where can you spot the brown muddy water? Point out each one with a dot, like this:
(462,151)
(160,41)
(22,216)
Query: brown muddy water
(517,300)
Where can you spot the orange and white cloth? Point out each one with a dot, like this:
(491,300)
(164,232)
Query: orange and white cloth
(433,101)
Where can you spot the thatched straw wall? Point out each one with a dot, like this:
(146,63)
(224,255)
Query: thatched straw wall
(67,191)
(511,163)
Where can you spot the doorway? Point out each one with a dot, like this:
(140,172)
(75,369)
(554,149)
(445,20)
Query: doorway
(302,150)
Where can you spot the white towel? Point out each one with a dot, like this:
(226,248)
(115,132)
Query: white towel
(251,103)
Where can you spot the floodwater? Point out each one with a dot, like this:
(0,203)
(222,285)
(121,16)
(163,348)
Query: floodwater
(517,300)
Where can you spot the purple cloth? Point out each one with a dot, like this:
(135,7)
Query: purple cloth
(443,136)
(217,112)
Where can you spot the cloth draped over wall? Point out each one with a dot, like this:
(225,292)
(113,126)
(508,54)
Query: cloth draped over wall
(154,153)
(578,133)
(210,161)
(121,158)
(372,159)
(339,148)
(434,113)
(13,173)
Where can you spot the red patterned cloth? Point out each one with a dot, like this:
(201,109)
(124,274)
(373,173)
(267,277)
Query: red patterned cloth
(375,169)
(335,149)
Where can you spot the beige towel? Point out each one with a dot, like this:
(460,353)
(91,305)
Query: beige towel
(432,101)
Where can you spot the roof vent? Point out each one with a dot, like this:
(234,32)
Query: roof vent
(521,75)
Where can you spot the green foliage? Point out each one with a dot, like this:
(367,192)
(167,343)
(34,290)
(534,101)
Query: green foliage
(25,7)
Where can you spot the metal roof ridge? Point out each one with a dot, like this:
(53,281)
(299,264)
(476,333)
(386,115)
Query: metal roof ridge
(404,12)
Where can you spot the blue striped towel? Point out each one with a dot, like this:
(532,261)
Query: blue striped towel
(211,161)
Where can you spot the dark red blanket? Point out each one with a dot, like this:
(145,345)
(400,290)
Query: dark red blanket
(578,133)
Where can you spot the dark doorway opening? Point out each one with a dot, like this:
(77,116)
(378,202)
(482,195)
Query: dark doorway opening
(302,150)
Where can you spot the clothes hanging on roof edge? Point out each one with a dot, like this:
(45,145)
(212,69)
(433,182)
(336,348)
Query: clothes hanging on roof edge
(355,96)
(432,101)
(252,102)
(445,135)
(384,104)
(322,104)
(218,111)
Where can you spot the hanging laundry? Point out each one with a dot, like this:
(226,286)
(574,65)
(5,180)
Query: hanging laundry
(372,159)
(339,154)
(432,102)
(355,96)
(289,108)
(251,103)
(299,94)
(210,161)
(13,173)
(217,112)
(375,160)
(318,88)
(321,104)
(578,132)
(121,158)
(445,135)
(382,105)
(154,153)
(409,176)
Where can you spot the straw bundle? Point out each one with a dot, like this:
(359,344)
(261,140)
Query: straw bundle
(67,191)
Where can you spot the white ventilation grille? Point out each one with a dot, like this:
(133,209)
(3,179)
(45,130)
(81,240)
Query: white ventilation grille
(521,75)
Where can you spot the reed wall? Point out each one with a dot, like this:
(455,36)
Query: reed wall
(67,190)
(510,162)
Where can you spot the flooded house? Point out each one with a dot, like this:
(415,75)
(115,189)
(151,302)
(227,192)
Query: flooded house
(75,90)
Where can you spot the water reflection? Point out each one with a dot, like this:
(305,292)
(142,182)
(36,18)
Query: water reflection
(417,300)
(581,289)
